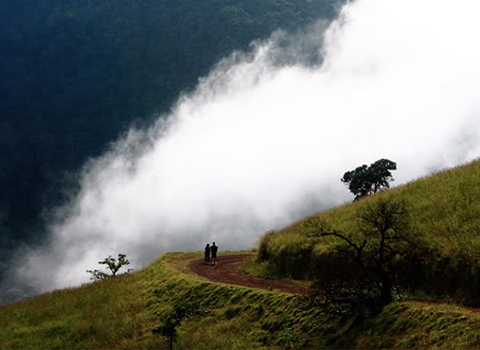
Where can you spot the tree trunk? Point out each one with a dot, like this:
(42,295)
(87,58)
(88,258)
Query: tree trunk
(386,294)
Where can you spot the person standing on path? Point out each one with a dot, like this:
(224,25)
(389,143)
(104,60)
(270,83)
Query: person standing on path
(207,254)
(214,249)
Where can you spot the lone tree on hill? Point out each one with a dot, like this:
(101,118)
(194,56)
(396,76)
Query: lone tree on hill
(112,265)
(360,270)
(365,180)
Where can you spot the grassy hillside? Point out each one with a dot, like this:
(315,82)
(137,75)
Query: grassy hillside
(444,211)
(121,312)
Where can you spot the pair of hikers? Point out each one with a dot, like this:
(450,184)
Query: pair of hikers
(213,250)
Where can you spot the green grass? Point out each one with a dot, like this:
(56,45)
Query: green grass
(121,312)
(415,324)
(444,207)
(262,269)
(444,210)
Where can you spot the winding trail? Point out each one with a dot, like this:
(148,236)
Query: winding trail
(227,271)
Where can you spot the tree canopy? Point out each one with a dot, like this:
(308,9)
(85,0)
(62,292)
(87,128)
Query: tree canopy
(365,180)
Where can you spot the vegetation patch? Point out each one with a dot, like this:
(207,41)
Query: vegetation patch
(121,313)
(443,227)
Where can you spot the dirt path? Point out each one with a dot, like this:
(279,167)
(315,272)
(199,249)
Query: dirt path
(227,271)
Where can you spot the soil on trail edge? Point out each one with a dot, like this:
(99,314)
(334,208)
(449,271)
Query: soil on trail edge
(227,271)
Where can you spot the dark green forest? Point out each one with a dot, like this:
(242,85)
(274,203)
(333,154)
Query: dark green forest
(75,75)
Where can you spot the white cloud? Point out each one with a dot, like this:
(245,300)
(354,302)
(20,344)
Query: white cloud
(264,141)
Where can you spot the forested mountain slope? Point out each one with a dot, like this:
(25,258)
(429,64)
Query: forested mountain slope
(75,74)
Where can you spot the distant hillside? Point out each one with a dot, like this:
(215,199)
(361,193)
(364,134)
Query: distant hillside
(121,312)
(444,212)
(76,74)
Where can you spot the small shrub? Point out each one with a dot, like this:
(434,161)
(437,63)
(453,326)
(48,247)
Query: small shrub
(232,312)
(181,311)
(288,337)
(112,264)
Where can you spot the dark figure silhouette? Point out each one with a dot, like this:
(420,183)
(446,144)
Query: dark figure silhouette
(207,253)
(214,249)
